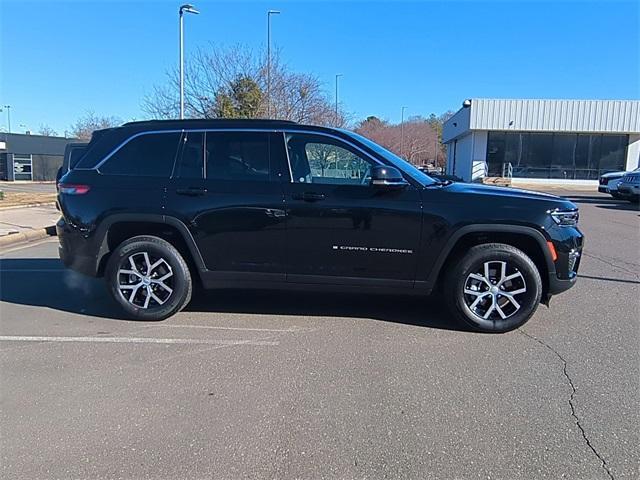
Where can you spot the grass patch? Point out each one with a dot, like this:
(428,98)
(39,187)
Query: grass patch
(13,199)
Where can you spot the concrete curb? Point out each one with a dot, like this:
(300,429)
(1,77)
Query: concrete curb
(28,205)
(26,237)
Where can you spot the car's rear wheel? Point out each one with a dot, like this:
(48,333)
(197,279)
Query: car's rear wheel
(148,278)
(494,287)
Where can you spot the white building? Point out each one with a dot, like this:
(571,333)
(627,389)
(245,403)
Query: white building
(554,141)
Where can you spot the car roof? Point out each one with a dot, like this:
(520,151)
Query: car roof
(222,123)
(210,122)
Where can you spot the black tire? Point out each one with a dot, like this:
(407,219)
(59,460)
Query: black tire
(170,264)
(617,196)
(492,292)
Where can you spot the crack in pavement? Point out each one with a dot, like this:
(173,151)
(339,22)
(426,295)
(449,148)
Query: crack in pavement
(611,263)
(571,402)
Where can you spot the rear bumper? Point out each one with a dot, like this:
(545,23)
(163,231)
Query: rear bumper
(603,189)
(72,250)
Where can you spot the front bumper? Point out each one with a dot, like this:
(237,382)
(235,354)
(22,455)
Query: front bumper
(558,285)
(568,243)
(629,189)
(603,189)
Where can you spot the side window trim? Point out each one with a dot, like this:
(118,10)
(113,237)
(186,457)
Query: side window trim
(180,152)
(336,138)
(205,130)
(286,152)
(129,139)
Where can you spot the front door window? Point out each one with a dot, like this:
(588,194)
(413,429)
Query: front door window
(322,160)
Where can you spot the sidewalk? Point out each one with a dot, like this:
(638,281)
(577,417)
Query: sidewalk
(26,223)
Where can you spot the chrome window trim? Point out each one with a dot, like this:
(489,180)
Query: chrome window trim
(284,132)
(286,151)
(181,131)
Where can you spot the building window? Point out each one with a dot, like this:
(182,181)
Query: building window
(556,155)
(22,167)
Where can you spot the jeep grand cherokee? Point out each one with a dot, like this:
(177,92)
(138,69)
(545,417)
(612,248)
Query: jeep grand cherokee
(155,206)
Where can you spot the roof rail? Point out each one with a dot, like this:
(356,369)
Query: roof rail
(212,120)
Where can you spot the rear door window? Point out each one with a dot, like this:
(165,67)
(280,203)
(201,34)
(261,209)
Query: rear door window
(149,155)
(190,160)
(238,156)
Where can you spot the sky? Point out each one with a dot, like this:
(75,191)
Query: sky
(59,60)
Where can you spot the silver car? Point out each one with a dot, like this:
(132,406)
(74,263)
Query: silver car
(629,186)
(608,183)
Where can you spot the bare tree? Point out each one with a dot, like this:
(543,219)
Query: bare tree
(85,126)
(420,145)
(46,131)
(214,75)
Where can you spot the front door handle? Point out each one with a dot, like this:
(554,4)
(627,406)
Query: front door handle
(308,196)
(192,191)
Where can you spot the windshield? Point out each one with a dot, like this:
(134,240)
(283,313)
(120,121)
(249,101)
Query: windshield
(394,159)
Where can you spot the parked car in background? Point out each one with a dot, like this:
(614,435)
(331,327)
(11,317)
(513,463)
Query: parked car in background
(72,153)
(608,183)
(629,186)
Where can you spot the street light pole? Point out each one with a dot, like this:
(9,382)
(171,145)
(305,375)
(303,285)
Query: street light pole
(8,107)
(402,132)
(338,75)
(188,8)
(269,13)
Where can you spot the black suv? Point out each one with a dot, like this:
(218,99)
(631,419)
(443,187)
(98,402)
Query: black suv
(154,206)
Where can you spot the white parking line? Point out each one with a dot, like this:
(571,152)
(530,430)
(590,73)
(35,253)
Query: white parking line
(212,327)
(188,341)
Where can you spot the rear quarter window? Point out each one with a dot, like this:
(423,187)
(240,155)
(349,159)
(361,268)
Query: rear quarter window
(75,155)
(148,155)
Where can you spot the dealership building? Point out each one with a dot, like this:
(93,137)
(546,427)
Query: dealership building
(31,157)
(547,141)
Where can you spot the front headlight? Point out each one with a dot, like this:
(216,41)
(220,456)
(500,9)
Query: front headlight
(565,218)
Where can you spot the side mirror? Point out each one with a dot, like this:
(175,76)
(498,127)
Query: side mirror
(387,177)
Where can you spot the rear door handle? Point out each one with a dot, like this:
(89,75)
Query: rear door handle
(192,191)
(308,196)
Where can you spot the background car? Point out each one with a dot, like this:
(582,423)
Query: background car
(629,186)
(608,183)
(72,153)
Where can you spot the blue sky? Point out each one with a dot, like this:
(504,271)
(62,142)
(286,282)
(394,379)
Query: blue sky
(61,59)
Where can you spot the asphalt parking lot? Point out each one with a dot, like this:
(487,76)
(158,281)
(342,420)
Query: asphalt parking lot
(290,385)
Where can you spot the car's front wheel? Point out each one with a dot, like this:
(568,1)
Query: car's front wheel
(494,287)
(148,278)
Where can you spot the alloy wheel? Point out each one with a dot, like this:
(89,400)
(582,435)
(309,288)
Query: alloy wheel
(490,293)
(145,280)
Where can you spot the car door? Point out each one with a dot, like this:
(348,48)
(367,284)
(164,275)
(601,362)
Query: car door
(226,190)
(340,228)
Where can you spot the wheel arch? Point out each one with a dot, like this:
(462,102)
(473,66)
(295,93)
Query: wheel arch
(116,228)
(531,241)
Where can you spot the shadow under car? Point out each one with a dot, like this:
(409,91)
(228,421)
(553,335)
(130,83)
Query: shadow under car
(45,282)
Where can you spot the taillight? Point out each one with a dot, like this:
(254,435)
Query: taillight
(73,189)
